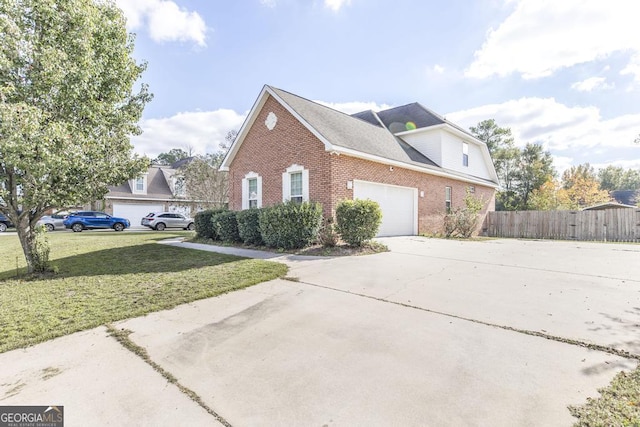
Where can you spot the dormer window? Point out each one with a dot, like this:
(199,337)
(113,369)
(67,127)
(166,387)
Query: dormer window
(465,154)
(179,187)
(139,185)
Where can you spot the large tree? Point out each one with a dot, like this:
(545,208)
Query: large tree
(67,107)
(174,155)
(205,185)
(617,178)
(534,169)
(582,186)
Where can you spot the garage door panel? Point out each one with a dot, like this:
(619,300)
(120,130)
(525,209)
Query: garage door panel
(135,213)
(398,205)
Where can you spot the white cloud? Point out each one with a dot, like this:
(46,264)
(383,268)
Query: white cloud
(543,36)
(591,84)
(164,21)
(336,5)
(633,68)
(438,69)
(203,131)
(268,3)
(557,126)
(354,107)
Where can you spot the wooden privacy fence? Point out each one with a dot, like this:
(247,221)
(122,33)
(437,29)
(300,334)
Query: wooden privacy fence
(613,225)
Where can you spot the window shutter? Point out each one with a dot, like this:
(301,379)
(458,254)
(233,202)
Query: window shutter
(245,193)
(259,192)
(286,187)
(305,185)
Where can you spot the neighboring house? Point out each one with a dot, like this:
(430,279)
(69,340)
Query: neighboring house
(626,197)
(161,188)
(413,162)
(608,205)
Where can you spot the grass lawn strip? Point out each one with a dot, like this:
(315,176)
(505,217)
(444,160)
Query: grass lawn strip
(105,277)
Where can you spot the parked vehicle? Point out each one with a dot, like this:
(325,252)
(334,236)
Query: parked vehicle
(161,220)
(88,220)
(53,222)
(4,223)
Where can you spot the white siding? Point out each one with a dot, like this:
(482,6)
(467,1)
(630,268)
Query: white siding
(452,156)
(428,142)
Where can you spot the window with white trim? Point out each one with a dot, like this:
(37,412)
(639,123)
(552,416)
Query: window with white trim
(295,184)
(447,199)
(251,191)
(139,184)
(465,154)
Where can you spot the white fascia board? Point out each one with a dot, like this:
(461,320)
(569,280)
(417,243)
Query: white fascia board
(466,137)
(378,159)
(242,133)
(150,199)
(328,146)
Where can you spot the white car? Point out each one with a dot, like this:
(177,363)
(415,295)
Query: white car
(161,220)
(53,222)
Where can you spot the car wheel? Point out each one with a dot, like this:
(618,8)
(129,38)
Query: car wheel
(3,227)
(77,227)
(160,226)
(118,226)
(191,227)
(49,227)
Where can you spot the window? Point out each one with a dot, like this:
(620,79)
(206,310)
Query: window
(140,184)
(465,154)
(251,191)
(179,188)
(296,187)
(295,184)
(447,198)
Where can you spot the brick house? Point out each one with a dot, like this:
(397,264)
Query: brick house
(413,162)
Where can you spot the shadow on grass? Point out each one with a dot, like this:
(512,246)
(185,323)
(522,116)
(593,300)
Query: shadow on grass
(144,258)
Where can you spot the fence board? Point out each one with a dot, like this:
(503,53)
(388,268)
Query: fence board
(613,225)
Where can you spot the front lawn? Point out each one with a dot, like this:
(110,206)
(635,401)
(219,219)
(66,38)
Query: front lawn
(107,276)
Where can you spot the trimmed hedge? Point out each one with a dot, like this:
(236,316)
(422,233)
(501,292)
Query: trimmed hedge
(226,226)
(204,226)
(249,226)
(358,220)
(290,225)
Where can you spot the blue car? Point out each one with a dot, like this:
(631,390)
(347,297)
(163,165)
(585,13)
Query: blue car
(89,220)
(4,223)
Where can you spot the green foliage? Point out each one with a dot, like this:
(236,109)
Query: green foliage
(249,226)
(358,221)
(462,222)
(171,157)
(617,178)
(41,250)
(226,226)
(327,236)
(204,226)
(67,106)
(204,182)
(290,225)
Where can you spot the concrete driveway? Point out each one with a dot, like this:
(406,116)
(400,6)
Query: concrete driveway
(435,332)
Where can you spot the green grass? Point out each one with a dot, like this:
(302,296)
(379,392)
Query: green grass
(107,276)
(618,404)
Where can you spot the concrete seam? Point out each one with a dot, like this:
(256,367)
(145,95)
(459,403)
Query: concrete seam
(122,336)
(590,346)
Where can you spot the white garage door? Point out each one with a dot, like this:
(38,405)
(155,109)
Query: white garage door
(398,205)
(134,213)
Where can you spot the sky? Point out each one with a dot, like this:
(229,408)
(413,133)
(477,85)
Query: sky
(564,74)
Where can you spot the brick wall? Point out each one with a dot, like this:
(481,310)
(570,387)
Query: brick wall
(269,153)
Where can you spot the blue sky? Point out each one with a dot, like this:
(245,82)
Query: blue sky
(565,74)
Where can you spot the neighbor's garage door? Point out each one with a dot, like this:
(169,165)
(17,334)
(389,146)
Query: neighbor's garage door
(134,213)
(398,205)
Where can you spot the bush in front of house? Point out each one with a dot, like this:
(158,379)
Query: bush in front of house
(462,222)
(358,221)
(290,225)
(249,226)
(226,226)
(204,226)
(327,236)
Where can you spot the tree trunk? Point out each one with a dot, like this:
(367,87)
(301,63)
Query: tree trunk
(27,240)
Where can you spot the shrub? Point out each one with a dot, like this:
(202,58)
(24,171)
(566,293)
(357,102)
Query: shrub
(41,250)
(249,226)
(358,220)
(226,226)
(463,222)
(327,235)
(204,226)
(290,225)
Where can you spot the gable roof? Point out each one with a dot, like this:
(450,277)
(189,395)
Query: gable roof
(157,185)
(361,135)
(626,197)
